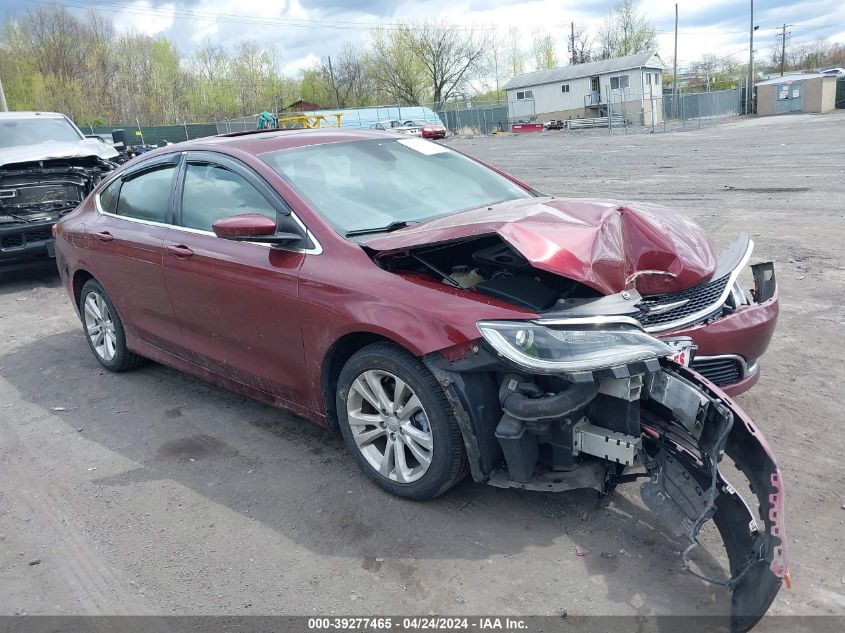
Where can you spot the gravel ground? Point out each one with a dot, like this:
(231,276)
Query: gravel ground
(153,492)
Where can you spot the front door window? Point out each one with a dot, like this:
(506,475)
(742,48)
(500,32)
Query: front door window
(213,192)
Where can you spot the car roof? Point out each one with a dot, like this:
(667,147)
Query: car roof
(260,142)
(32,115)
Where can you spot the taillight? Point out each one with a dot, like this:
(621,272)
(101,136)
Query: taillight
(53,229)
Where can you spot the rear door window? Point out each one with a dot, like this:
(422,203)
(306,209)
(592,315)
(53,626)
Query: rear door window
(147,195)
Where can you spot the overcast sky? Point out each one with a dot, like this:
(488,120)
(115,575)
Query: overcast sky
(305,30)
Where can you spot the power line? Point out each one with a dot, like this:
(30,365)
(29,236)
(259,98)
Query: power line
(216,16)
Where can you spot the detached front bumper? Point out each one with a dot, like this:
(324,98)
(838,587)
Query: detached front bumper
(649,419)
(25,246)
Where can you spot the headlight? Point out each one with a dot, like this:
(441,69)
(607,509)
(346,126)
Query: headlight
(573,348)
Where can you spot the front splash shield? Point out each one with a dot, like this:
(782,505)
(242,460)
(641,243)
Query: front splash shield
(687,489)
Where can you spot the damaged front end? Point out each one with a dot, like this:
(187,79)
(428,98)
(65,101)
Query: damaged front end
(591,400)
(34,196)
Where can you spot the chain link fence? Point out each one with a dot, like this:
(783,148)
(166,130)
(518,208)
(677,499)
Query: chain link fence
(695,109)
(652,111)
(475,117)
(155,134)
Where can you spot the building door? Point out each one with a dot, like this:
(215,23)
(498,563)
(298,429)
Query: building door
(595,91)
(789,97)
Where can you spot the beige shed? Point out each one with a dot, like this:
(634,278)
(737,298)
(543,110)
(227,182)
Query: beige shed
(796,93)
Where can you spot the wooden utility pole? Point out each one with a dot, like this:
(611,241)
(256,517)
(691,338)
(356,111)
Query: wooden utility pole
(783,47)
(675,71)
(4,107)
(334,86)
(572,41)
(750,93)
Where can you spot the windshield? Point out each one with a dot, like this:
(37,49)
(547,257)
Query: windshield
(420,123)
(370,184)
(15,132)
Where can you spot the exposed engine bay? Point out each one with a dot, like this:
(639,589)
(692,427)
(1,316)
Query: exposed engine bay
(488,266)
(591,401)
(34,195)
(48,188)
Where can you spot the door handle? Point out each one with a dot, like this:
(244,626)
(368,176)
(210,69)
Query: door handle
(179,250)
(105,236)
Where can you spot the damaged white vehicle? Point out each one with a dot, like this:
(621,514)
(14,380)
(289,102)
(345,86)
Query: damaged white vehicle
(47,167)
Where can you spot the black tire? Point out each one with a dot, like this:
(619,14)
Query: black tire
(123,359)
(448,458)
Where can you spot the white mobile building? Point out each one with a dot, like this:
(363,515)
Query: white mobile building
(632,85)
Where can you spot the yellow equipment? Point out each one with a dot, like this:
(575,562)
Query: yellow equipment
(309,121)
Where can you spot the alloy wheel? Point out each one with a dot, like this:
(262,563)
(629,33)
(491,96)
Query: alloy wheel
(99,326)
(390,426)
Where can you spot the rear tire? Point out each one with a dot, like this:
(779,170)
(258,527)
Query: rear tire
(103,329)
(397,423)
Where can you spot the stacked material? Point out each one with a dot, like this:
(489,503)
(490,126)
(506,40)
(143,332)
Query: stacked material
(576,124)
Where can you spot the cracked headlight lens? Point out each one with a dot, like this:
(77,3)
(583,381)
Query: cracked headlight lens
(571,348)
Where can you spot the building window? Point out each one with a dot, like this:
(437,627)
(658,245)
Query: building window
(525,94)
(619,82)
(648,79)
(656,79)
(564,88)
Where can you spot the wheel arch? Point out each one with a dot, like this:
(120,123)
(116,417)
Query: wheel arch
(335,358)
(80,277)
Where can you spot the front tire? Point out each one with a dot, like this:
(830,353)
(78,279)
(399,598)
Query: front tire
(397,423)
(103,329)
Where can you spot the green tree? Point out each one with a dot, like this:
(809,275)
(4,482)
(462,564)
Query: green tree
(545,57)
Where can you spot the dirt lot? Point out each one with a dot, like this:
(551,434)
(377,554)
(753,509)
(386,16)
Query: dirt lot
(153,492)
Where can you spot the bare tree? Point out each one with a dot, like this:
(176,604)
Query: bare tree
(625,32)
(516,55)
(834,55)
(426,59)
(346,76)
(450,56)
(397,69)
(583,46)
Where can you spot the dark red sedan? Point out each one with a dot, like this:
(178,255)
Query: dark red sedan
(446,319)
(428,129)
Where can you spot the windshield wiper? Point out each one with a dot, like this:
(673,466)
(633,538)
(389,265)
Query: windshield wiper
(393,226)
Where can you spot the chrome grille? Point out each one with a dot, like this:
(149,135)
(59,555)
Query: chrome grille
(695,299)
(719,371)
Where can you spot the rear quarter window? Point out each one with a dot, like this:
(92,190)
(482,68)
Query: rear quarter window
(108,197)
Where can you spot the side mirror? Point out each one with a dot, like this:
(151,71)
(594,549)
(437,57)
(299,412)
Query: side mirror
(252,227)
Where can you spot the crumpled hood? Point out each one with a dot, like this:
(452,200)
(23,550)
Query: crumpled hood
(56,151)
(603,244)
